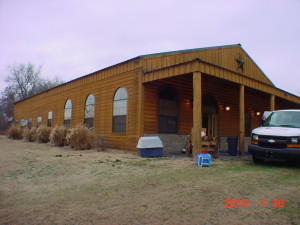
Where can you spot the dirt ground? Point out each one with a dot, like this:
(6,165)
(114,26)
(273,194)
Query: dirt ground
(42,184)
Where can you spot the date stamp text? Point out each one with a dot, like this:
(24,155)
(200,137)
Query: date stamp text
(244,203)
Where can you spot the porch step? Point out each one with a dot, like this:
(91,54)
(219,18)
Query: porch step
(173,143)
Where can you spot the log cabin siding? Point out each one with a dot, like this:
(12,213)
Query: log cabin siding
(184,90)
(226,94)
(256,101)
(210,86)
(104,91)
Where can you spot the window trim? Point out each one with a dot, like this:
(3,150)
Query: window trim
(120,115)
(67,122)
(49,121)
(86,118)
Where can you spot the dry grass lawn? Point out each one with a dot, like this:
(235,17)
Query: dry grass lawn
(42,184)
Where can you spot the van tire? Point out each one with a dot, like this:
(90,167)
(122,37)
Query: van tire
(257,160)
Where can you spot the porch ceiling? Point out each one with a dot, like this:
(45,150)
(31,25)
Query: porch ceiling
(198,65)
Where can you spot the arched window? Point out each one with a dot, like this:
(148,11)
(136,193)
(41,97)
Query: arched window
(120,110)
(89,111)
(168,111)
(68,113)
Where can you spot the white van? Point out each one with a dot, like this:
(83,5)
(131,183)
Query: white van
(278,138)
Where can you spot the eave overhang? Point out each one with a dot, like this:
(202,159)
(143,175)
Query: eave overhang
(199,65)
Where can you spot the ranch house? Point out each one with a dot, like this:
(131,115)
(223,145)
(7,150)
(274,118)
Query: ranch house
(166,95)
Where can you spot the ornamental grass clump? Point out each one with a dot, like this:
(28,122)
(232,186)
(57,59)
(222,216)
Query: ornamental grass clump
(30,134)
(43,134)
(81,138)
(101,143)
(58,136)
(15,132)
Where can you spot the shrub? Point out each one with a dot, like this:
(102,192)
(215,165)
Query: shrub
(81,138)
(101,143)
(67,141)
(58,135)
(43,134)
(15,132)
(30,134)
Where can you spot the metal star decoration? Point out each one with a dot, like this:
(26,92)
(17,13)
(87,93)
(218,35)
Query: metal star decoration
(240,63)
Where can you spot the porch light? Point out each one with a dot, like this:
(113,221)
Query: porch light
(227,108)
(258,113)
(189,103)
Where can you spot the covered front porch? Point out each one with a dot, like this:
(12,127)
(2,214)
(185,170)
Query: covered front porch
(199,95)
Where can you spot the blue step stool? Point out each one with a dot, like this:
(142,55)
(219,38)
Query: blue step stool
(203,160)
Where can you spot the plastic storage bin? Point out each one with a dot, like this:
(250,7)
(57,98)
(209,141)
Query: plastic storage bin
(150,147)
(203,160)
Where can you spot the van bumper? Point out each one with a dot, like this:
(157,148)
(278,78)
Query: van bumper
(273,153)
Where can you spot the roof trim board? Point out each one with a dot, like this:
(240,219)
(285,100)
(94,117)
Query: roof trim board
(188,50)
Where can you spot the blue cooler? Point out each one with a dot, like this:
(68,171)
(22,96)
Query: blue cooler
(203,160)
(150,147)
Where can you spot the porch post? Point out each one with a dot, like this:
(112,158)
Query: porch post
(141,109)
(197,112)
(272,103)
(242,120)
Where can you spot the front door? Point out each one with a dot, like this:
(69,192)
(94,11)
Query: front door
(209,115)
(209,121)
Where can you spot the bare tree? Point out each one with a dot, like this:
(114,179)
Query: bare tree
(6,108)
(24,79)
(23,82)
(7,101)
(47,84)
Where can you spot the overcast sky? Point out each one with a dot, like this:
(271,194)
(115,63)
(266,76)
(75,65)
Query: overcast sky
(72,38)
